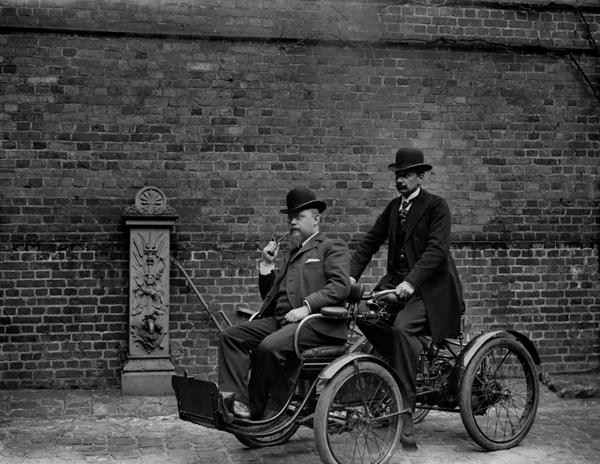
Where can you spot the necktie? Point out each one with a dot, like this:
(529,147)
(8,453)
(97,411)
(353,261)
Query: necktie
(404,210)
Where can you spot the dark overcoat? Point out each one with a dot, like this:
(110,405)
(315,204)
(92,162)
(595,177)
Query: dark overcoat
(318,274)
(427,245)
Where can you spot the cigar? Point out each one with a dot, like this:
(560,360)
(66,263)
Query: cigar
(282,237)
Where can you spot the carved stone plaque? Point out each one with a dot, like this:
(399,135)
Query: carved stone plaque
(148,368)
(149,292)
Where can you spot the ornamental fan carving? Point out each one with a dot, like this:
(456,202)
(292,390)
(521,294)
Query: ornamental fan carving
(149,201)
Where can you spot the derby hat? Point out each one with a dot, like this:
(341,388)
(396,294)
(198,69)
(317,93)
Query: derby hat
(300,198)
(409,158)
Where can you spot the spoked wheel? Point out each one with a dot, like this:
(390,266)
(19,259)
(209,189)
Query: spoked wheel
(420,414)
(499,394)
(269,440)
(357,416)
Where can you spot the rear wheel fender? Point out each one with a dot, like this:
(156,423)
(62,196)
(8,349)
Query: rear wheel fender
(476,343)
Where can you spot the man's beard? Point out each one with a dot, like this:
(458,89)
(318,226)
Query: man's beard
(295,239)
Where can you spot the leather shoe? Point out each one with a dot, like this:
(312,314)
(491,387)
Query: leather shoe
(407,436)
(241,410)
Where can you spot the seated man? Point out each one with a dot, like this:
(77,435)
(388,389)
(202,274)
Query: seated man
(314,275)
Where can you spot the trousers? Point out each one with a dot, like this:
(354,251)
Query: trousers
(398,339)
(262,347)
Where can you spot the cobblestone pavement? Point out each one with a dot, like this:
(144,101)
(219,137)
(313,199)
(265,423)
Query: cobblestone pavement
(59,427)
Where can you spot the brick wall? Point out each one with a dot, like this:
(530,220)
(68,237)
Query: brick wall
(225,109)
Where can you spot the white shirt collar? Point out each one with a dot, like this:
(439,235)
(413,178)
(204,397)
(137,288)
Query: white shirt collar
(306,241)
(413,195)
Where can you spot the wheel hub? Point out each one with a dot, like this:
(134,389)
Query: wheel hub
(494,393)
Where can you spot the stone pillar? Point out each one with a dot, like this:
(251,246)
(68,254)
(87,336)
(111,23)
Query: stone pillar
(148,368)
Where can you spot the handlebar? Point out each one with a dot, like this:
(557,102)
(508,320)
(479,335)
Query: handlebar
(382,293)
(376,310)
(358,293)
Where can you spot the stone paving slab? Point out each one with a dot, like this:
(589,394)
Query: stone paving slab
(52,404)
(103,427)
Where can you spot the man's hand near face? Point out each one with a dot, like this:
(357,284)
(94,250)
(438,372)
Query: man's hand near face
(269,252)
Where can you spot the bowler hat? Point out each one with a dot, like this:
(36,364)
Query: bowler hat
(409,158)
(300,198)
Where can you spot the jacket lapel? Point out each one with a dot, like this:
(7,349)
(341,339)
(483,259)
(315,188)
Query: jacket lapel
(291,257)
(283,270)
(312,243)
(415,212)
(393,225)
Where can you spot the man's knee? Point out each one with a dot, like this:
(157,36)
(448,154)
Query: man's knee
(229,336)
(223,338)
(407,330)
(411,321)
(226,334)
(400,330)
(267,347)
(273,346)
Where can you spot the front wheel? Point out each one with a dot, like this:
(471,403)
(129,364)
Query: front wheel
(269,440)
(499,394)
(357,416)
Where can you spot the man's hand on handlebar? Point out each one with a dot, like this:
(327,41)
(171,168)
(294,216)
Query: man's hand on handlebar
(297,314)
(404,290)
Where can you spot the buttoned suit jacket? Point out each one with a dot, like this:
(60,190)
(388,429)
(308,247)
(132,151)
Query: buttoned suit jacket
(318,274)
(427,246)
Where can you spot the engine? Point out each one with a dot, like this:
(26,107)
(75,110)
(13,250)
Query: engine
(435,380)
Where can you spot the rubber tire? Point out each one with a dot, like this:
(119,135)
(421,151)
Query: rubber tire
(269,440)
(326,398)
(420,415)
(533,390)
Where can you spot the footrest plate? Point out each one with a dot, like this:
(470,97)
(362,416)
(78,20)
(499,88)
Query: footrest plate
(197,401)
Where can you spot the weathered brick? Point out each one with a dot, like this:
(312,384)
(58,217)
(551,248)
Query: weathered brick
(226,126)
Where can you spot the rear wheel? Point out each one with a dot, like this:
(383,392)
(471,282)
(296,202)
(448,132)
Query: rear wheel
(499,394)
(357,416)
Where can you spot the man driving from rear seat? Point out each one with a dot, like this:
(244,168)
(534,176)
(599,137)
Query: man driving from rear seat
(416,226)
